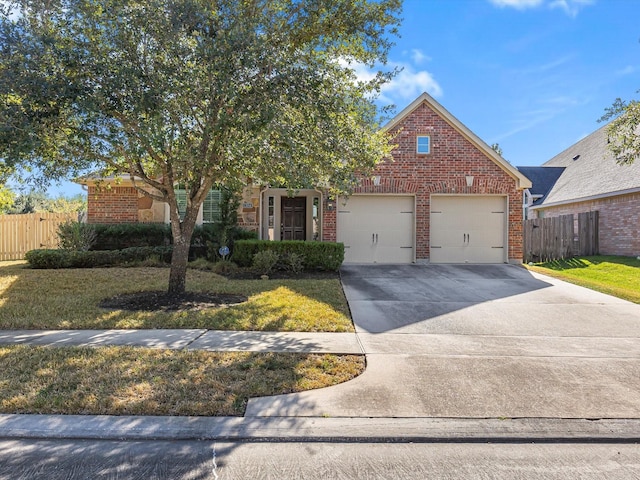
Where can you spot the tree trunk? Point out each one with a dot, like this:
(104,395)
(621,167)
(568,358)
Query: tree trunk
(182,233)
(178,273)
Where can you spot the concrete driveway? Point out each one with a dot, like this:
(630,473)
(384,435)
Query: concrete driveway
(482,341)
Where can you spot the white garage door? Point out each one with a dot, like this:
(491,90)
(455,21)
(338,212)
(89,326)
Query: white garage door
(377,228)
(468,229)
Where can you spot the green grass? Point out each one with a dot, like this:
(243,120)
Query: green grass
(618,276)
(140,381)
(68,299)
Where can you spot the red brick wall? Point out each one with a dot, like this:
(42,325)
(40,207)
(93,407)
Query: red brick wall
(452,158)
(329,223)
(112,205)
(619,224)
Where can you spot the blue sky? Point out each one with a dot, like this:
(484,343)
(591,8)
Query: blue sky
(531,75)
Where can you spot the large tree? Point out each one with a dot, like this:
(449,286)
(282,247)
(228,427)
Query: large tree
(194,93)
(624,130)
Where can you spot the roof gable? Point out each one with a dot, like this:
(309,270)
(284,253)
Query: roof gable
(543,179)
(521,180)
(590,170)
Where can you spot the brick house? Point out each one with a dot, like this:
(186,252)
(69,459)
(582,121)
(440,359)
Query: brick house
(585,177)
(445,197)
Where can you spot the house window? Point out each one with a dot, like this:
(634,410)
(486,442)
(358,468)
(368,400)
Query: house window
(423,144)
(211,211)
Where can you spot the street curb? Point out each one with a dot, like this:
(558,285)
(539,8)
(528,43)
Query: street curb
(318,429)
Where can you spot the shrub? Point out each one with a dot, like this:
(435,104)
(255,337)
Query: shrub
(205,241)
(293,262)
(95,258)
(316,255)
(76,235)
(224,267)
(126,235)
(265,261)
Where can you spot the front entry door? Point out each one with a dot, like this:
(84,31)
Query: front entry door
(294,218)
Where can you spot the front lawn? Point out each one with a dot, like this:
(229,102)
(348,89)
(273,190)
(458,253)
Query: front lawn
(69,299)
(618,276)
(141,381)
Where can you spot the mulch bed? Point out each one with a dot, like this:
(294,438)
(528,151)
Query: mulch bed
(162,301)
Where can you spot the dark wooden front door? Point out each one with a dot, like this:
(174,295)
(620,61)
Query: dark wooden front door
(294,218)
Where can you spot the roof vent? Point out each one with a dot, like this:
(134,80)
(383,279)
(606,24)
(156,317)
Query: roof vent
(575,157)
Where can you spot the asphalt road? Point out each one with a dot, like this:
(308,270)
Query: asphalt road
(199,460)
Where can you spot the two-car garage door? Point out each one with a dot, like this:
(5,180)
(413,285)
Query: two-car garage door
(462,229)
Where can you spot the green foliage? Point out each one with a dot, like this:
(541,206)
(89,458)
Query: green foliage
(7,197)
(37,201)
(624,130)
(76,236)
(205,241)
(30,202)
(49,258)
(125,235)
(225,267)
(317,255)
(265,261)
(195,93)
(293,262)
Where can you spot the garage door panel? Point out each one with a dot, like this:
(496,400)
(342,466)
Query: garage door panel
(377,229)
(468,229)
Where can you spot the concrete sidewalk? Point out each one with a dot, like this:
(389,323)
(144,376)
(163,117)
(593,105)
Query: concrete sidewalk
(191,339)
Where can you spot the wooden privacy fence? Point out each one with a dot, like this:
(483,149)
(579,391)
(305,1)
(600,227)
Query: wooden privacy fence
(21,233)
(555,238)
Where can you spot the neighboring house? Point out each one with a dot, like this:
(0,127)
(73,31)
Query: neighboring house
(542,180)
(445,197)
(590,179)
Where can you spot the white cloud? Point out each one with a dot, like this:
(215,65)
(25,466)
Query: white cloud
(570,7)
(628,70)
(407,85)
(418,57)
(517,4)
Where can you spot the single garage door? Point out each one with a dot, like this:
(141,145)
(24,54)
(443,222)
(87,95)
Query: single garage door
(377,228)
(468,229)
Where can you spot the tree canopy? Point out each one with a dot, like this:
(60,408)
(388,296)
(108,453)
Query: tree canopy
(194,92)
(624,130)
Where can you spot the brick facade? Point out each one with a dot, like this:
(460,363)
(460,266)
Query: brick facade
(619,221)
(443,171)
(112,205)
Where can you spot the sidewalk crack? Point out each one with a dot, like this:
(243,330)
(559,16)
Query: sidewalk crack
(188,344)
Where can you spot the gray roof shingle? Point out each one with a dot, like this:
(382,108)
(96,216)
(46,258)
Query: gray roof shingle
(590,170)
(542,179)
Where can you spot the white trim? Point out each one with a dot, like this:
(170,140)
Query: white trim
(278,193)
(418,137)
(521,181)
(600,196)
